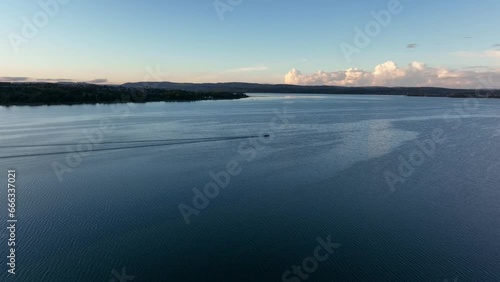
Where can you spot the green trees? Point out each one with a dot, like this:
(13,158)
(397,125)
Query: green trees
(57,94)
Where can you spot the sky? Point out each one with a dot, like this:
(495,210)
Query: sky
(315,42)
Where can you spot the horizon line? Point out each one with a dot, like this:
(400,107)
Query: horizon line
(64,81)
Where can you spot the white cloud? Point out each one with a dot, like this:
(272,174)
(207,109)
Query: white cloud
(250,69)
(50,80)
(493,54)
(484,54)
(415,74)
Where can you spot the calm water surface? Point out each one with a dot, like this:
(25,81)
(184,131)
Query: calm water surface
(321,172)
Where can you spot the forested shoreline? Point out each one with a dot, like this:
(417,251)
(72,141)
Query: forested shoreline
(12,94)
(81,93)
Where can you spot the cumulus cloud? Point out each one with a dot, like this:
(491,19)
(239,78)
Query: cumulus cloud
(415,74)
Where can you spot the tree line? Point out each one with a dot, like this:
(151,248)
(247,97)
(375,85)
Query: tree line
(81,93)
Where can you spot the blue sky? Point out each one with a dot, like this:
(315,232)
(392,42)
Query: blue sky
(254,41)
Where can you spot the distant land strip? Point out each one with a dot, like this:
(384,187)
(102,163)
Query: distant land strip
(32,94)
(141,92)
(322,89)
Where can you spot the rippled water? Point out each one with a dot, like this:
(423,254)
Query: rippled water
(321,172)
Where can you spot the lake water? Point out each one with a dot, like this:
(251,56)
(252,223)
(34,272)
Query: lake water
(409,187)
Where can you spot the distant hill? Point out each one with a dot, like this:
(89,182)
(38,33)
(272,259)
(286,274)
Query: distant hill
(141,92)
(286,88)
(84,93)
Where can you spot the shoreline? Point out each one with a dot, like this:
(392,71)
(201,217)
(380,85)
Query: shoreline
(119,102)
(57,94)
(51,94)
